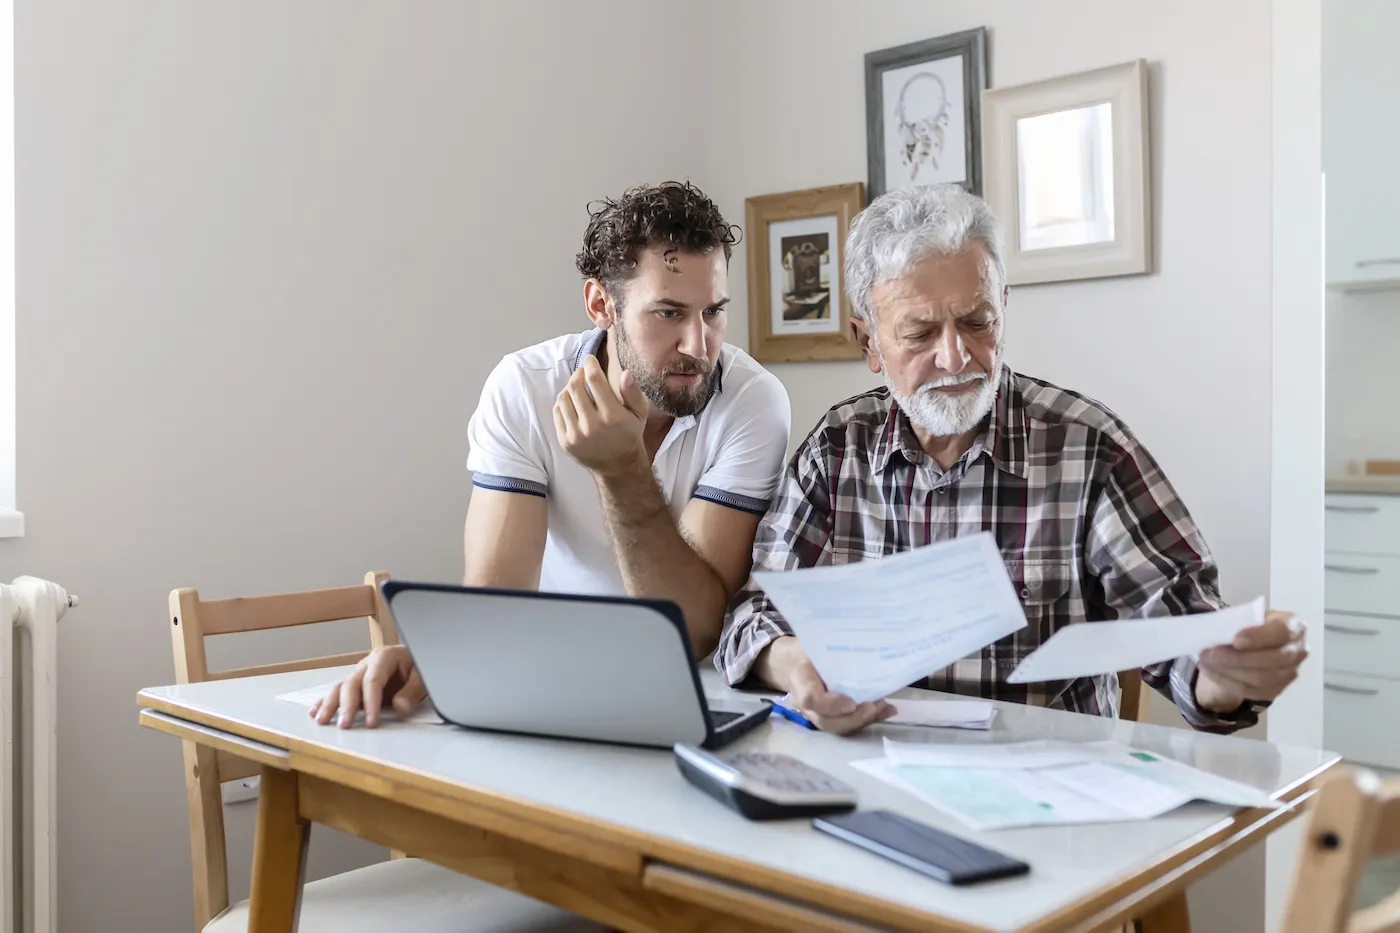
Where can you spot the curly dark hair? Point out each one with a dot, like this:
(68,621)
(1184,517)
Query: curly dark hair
(674,213)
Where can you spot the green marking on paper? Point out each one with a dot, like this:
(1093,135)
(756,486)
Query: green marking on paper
(1144,756)
(980,796)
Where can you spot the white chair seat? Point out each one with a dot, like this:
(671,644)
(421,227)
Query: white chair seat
(416,895)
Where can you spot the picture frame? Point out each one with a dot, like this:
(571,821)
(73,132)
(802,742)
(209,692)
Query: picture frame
(923,112)
(798,309)
(1067,169)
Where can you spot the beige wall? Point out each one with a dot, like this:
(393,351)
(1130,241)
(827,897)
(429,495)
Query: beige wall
(268,251)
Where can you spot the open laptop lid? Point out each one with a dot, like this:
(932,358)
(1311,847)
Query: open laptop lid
(604,668)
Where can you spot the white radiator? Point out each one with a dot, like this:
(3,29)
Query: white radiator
(30,609)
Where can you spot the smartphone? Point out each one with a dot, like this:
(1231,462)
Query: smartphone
(922,848)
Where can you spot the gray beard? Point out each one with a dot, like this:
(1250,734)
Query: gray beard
(946,415)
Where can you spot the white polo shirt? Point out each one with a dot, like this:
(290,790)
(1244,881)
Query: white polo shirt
(731,453)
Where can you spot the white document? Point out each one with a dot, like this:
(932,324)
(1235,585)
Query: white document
(1051,782)
(1089,648)
(948,714)
(1044,753)
(308,696)
(875,626)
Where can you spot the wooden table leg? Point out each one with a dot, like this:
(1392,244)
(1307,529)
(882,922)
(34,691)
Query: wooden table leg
(1170,916)
(279,855)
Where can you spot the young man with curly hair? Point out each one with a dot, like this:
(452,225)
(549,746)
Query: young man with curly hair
(636,457)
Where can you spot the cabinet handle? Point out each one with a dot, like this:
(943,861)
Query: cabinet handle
(1348,630)
(1355,509)
(1354,690)
(1342,568)
(1387,261)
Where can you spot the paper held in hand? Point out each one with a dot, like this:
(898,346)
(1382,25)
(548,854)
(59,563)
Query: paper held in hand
(876,626)
(1090,648)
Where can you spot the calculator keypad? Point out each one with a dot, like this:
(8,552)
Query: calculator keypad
(785,773)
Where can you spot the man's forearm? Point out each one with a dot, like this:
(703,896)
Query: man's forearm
(775,664)
(655,559)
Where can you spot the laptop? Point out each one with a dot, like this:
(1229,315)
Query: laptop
(602,668)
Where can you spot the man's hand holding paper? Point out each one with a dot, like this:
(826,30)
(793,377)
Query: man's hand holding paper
(871,628)
(867,629)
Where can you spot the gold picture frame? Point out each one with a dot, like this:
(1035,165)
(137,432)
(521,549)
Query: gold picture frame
(798,309)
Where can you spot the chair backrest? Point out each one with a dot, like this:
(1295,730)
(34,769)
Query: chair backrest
(1354,817)
(192,620)
(1132,703)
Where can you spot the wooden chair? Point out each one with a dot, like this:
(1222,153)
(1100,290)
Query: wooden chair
(1132,704)
(1353,817)
(1132,707)
(402,893)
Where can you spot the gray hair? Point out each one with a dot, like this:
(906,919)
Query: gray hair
(902,227)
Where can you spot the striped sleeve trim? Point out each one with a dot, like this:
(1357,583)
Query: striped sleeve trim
(510,484)
(732,499)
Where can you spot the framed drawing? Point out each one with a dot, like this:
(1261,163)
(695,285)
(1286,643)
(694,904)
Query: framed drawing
(798,310)
(1067,171)
(923,112)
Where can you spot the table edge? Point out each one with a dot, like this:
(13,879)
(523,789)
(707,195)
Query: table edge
(382,776)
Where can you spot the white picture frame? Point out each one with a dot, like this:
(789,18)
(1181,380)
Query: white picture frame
(1066,167)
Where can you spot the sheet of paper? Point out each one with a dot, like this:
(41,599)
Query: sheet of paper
(876,626)
(308,696)
(1117,786)
(1195,783)
(986,799)
(948,714)
(1006,755)
(1089,648)
(998,786)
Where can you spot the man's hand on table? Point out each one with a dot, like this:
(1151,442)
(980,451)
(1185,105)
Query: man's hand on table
(784,665)
(1262,661)
(385,674)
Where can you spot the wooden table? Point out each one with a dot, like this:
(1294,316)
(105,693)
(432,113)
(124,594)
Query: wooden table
(616,834)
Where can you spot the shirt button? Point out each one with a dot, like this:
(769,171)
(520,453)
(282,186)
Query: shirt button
(942,490)
(1025,592)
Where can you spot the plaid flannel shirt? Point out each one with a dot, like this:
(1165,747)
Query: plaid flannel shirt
(1089,527)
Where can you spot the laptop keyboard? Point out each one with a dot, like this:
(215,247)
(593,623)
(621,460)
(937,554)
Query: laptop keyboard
(722,717)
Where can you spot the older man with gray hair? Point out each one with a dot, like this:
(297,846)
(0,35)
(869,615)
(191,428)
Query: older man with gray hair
(957,443)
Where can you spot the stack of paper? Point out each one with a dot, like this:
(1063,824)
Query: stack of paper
(1050,782)
(948,714)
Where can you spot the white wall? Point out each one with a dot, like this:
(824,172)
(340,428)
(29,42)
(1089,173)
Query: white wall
(1299,389)
(1183,354)
(268,252)
(1363,332)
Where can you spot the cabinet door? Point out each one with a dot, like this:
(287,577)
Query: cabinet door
(1361,140)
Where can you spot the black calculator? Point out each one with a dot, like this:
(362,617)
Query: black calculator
(763,785)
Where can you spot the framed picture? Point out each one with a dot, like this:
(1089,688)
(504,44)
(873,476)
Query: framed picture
(923,112)
(1066,169)
(798,309)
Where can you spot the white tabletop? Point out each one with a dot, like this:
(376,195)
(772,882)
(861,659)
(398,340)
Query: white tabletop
(643,791)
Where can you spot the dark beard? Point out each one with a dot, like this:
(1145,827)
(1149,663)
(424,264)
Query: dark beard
(677,403)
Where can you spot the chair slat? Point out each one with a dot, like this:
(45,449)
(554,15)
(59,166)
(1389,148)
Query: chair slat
(255,613)
(282,667)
